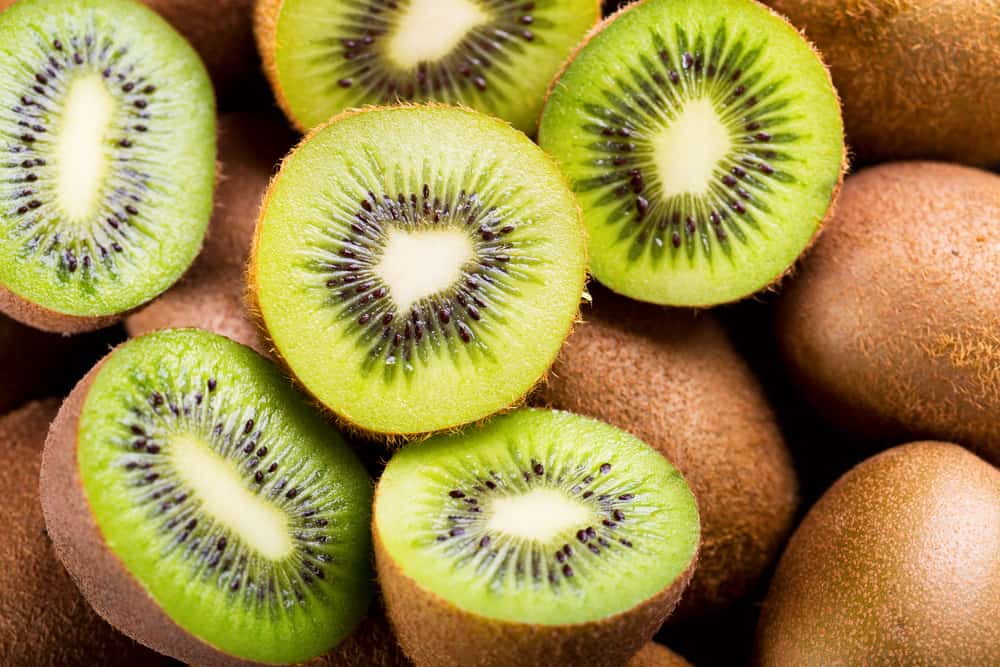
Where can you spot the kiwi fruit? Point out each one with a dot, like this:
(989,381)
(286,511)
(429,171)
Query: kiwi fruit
(540,537)
(497,56)
(892,328)
(656,655)
(704,140)
(673,379)
(417,267)
(895,565)
(44,621)
(918,77)
(204,508)
(107,138)
(211,294)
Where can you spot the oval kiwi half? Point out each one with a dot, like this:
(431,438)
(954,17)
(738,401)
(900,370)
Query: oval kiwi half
(107,160)
(204,508)
(542,537)
(418,267)
(705,141)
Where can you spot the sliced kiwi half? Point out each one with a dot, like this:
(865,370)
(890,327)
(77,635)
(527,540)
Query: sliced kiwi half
(418,267)
(705,141)
(542,537)
(204,508)
(497,56)
(107,160)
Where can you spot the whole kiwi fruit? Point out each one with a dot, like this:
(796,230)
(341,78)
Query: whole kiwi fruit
(44,621)
(210,296)
(893,325)
(895,565)
(917,78)
(673,379)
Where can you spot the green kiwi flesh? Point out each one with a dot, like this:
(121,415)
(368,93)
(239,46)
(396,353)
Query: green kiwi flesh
(203,506)
(418,267)
(107,159)
(497,56)
(705,142)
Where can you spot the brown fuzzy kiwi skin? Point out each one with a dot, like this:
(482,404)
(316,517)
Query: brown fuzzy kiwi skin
(210,296)
(918,77)
(893,326)
(895,565)
(432,631)
(44,319)
(673,379)
(657,655)
(44,621)
(356,431)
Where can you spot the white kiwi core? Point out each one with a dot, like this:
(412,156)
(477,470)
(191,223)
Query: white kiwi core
(416,265)
(430,29)
(688,150)
(540,514)
(80,152)
(224,496)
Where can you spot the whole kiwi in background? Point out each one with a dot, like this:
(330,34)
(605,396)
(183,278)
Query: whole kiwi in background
(673,379)
(893,324)
(897,564)
(917,78)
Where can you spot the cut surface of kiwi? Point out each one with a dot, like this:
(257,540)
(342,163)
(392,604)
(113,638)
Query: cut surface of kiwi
(418,267)
(705,142)
(107,159)
(541,526)
(497,56)
(204,508)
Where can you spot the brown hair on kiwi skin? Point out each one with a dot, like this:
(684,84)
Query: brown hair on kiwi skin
(673,379)
(210,296)
(657,655)
(918,77)
(895,565)
(44,621)
(893,326)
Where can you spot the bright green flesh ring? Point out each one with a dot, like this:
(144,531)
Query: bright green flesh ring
(107,154)
(496,56)
(705,142)
(418,268)
(538,517)
(239,510)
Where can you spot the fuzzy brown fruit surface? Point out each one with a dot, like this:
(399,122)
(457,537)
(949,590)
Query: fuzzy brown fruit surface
(917,78)
(44,621)
(655,655)
(893,325)
(211,294)
(895,565)
(673,379)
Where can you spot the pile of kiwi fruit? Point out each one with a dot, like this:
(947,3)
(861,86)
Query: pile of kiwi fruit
(421,333)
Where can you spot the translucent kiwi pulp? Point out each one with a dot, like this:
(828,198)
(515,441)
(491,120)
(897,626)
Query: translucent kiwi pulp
(418,267)
(107,154)
(540,517)
(705,142)
(242,514)
(493,55)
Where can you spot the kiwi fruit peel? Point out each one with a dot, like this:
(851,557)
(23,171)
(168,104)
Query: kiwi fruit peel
(673,379)
(705,143)
(895,565)
(541,537)
(204,508)
(108,138)
(656,655)
(892,328)
(417,267)
(497,56)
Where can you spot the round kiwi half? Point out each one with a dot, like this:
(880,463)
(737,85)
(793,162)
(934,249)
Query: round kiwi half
(107,160)
(211,294)
(204,508)
(418,267)
(44,621)
(497,56)
(542,537)
(705,142)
